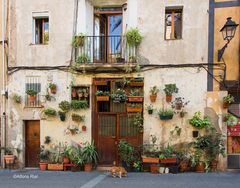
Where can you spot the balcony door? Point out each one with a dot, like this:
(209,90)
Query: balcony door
(107,36)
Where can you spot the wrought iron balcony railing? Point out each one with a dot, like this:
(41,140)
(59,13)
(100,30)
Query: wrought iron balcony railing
(105,50)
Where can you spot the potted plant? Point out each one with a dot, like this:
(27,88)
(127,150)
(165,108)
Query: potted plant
(133,37)
(169,90)
(167,155)
(126,153)
(31,95)
(9,158)
(134,107)
(47,140)
(119,59)
(119,96)
(132,59)
(179,103)
(55,158)
(102,95)
(135,96)
(17,98)
(65,106)
(137,165)
(199,122)
(53,88)
(153,93)
(230,120)
(74,92)
(151,151)
(78,118)
(82,59)
(62,115)
(150,109)
(66,151)
(76,157)
(78,40)
(79,104)
(84,128)
(165,114)
(50,112)
(227,100)
(138,121)
(90,156)
(137,82)
(44,157)
(100,82)
(197,161)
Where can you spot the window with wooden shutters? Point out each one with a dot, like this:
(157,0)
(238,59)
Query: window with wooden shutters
(173,23)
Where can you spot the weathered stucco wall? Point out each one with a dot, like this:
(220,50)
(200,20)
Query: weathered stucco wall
(192,48)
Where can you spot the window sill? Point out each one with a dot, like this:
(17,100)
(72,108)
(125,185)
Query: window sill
(31,44)
(173,39)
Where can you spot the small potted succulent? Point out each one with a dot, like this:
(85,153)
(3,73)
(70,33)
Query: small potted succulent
(150,109)
(153,93)
(227,100)
(165,114)
(53,88)
(31,95)
(90,155)
(169,90)
(102,95)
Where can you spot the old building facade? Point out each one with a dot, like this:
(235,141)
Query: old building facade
(41,52)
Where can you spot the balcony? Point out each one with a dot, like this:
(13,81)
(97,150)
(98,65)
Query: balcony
(104,51)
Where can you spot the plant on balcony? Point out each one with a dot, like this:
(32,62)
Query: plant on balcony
(150,109)
(102,95)
(153,93)
(62,115)
(50,112)
(133,37)
(31,95)
(78,40)
(169,90)
(138,121)
(78,118)
(135,95)
(165,114)
(65,106)
(53,88)
(83,59)
(227,100)
(134,107)
(119,96)
(17,98)
(230,120)
(119,58)
(79,104)
(199,122)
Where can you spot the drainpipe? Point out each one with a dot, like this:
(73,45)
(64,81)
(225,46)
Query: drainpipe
(3,93)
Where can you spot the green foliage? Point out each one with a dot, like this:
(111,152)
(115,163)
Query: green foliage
(231,120)
(198,122)
(170,89)
(78,118)
(50,112)
(78,40)
(167,152)
(228,99)
(165,112)
(176,130)
(17,98)
(149,107)
(89,153)
(135,92)
(79,104)
(44,154)
(75,154)
(133,37)
(56,153)
(31,92)
(52,85)
(138,121)
(126,152)
(119,96)
(82,59)
(102,93)
(154,90)
(65,106)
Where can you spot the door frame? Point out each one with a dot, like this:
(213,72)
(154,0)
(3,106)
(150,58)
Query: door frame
(25,138)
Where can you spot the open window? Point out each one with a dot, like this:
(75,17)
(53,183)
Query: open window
(173,23)
(40,29)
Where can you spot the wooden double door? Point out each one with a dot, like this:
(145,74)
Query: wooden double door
(112,124)
(32,143)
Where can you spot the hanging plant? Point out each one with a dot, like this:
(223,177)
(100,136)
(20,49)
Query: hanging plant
(17,98)
(53,88)
(65,106)
(138,121)
(62,115)
(199,122)
(79,104)
(169,90)
(133,37)
(78,118)
(78,40)
(50,112)
(165,114)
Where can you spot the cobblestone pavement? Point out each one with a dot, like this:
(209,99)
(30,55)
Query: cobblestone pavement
(48,179)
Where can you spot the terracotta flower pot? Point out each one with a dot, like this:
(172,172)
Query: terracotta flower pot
(55,167)
(9,159)
(200,167)
(153,98)
(183,165)
(53,90)
(66,160)
(154,169)
(88,167)
(169,98)
(179,106)
(226,105)
(74,93)
(43,166)
(84,128)
(213,165)
(31,99)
